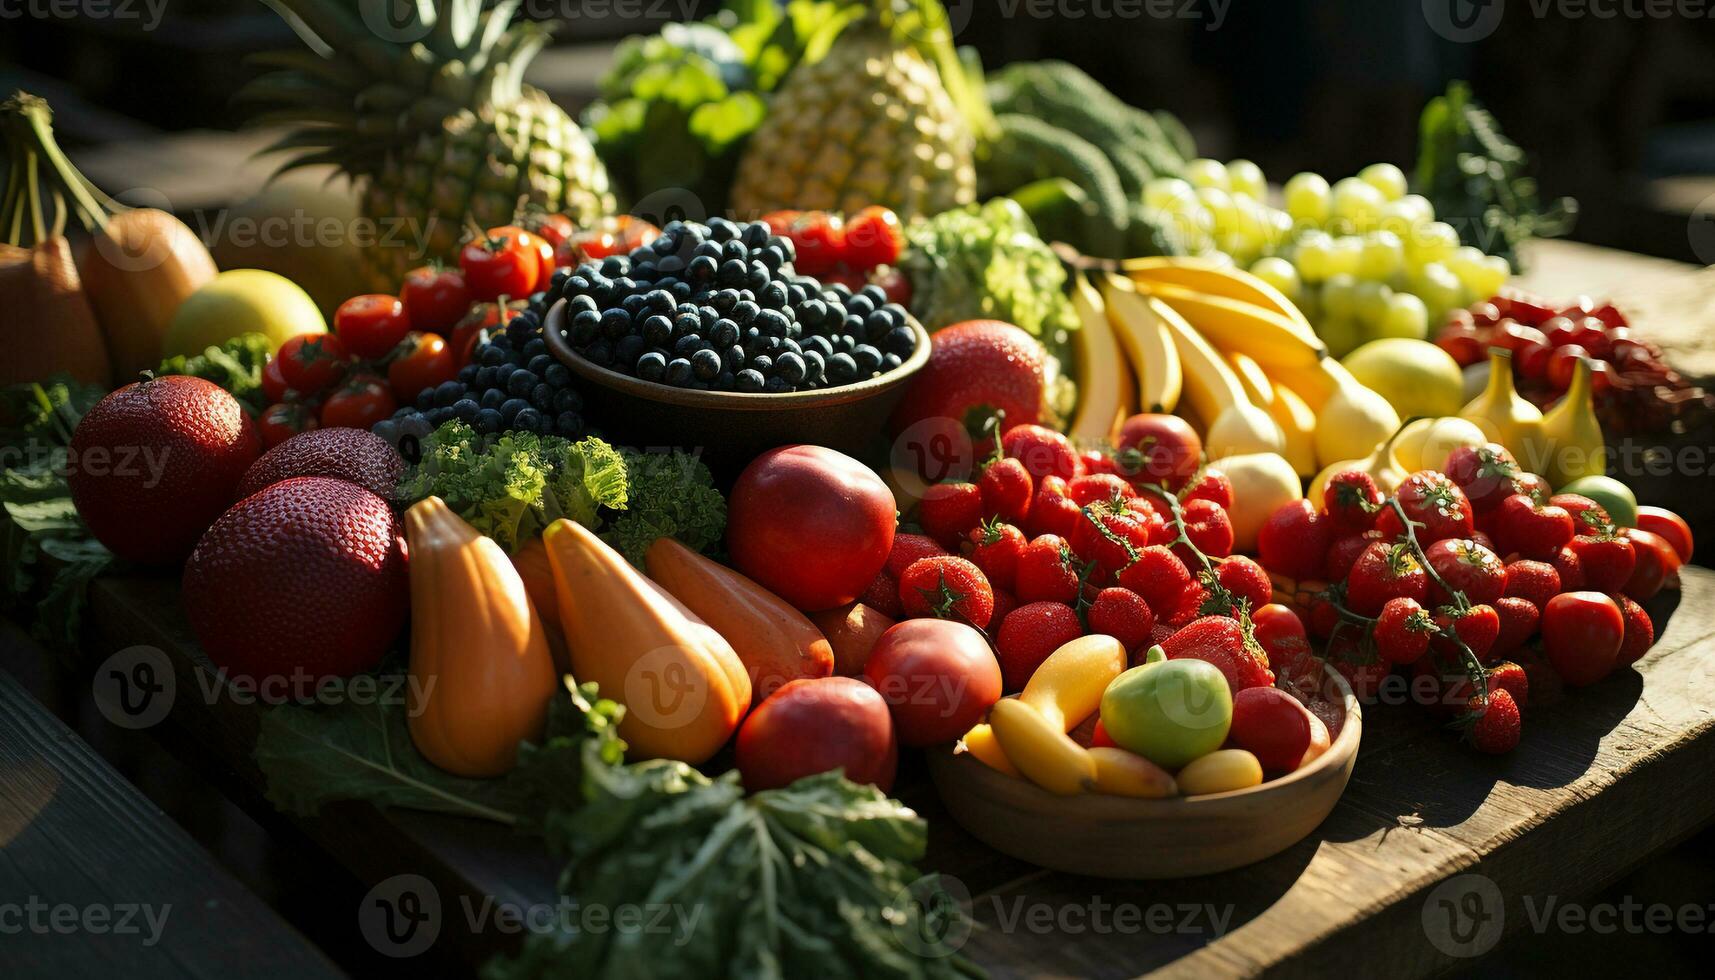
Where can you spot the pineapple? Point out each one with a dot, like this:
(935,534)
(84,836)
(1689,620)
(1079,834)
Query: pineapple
(885,117)
(430,116)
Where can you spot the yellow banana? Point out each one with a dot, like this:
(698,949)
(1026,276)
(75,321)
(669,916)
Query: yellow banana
(1235,426)
(1105,390)
(1122,773)
(1315,384)
(1253,377)
(980,743)
(1147,344)
(1244,327)
(1067,687)
(1298,424)
(1218,280)
(1040,749)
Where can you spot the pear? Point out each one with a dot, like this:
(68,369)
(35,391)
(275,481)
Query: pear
(1354,419)
(1569,445)
(1503,414)
(1382,465)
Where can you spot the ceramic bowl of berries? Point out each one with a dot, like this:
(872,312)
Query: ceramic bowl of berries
(708,337)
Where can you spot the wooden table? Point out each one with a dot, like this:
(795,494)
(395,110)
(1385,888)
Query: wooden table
(1605,778)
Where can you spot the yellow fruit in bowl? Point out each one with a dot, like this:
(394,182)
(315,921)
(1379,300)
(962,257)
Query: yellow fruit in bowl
(241,301)
(1442,437)
(1416,377)
(1261,483)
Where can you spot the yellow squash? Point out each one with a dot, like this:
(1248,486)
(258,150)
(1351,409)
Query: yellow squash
(481,673)
(1569,444)
(683,687)
(1503,414)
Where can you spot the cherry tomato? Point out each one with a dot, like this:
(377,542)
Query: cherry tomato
(371,325)
(894,283)
(359,403)
(1485,314)
(614,236)
(282,421)
(1670,526)
(1656,563)
(1581,633)
(1282,636)
(551,228)
(874,237)
(435,298)
(1562,363)
(1559,330)
(1462,342)
(426,361)
(504,262)
(820,240)
(1529,311)
(310,362)
(1532,360)
(274,385)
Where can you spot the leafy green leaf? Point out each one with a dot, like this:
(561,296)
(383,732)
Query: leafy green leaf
(235,365)
(670,495)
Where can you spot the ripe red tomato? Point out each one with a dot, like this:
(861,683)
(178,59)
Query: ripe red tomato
(1581,633)
(874,237)
(359,403)
(1467,567)
(427,361)
(812,725)
(371,325)
(1655,564)
(820,241)
(613,236)
(812,525)
(1272,725)
(310,362)
(504,262)
(274,385)
(1281,634)
(1431,499)
(435,298)
(551,228)
(937,676)
(282,421)
(1156,448)
(1672,528)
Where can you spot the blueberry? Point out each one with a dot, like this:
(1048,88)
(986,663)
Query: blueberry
(811,313)
(483,379)
(819,345)
(652,366)
(725,381)
(685,324)
(520,383)
(557,375)
(465,409)
(723,300)
(744,312)
(503,372)
(492,398)
(875,294)
(890,362)
(733,273)
(750,380)
(868,359)
(724,333)
(634,306)
(773,296)
(861,305)
(776,385)
(709,315)
(568,425)
(844,344)
(784,244)
(735,250)
(487,421)
(733,358)
(448,392)
(600,352)
(672,265)
(762,363)
(657,329)
(900,341)
(791,367)
(489,355)
(582,304)
(538,364)
(708,250)
(567,400)
(771,258)
(615,324)
(721,229)
(536,347)
(773,323)
(705,364)
(585,325)
(628,349)
(678,372)
(815,366)
(529,420)
(842,369)
(756,234)
(876,326)
(757,277)
(662,301)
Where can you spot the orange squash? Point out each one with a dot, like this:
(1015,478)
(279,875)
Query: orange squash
(776,642)
(683,687)
(481,671)
(531,560)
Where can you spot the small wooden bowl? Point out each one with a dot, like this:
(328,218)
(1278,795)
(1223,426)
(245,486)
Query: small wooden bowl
(1123,837)
(733,427)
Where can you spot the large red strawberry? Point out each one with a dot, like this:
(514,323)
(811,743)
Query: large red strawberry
(1029,634)
(1569,568)
(1466,567)
(1518,619)
(1043,451)
(1640,632)
(1007,491)
(882,595)
(1123,615)
(1536,581)
(976,370)
(1350,500)
(1211,485)
(1108,537)
(1159,576)
(1588,516)
(1294,540)
(1492,726)
(1531,528)
(1402,631)
(1246,580)
(357,455)
(1477,627)
(1209,528)
(1485,473)
(996,547)
(1099,488)
(1047,571)
(947,588)
(303,579)
(1432,501)
(1228,644)
(153,464)
(949,510)
(1511,678)
(908,548)
(1384,571)
(1052,510)
(1607,560)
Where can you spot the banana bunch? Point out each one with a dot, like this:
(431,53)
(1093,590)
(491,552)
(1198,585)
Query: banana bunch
(1243,358)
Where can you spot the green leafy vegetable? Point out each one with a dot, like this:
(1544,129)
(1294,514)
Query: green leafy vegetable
(235,365)
(668,494)
(1477,178)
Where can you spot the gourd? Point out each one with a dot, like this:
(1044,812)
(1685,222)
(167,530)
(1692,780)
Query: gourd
(531,561)
(684,688)
(775,642)
(481,672)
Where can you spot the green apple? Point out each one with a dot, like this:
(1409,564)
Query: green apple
(241,301)
(1168,711)
(1615,497)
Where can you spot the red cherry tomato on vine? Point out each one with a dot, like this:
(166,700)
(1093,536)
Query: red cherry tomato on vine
(874,237)
(310,362)
(359,403)
(282,421)
(425,361)
(435,298)
(819,238)
(504,262)
(552,228)
(274,385)
(371,325)
(1581,633)
(614,236)
(1281,634)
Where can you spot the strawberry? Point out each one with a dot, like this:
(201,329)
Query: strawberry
(1588,516)
(1570,569)
(1007,491)
(1230,644)
(1640,631)
(883,596)
(1384,571)
(1344,552)
(1052,510)
(1478,627)
(1160,532)
(1209,528)
(1518,619)
(1123,615)
(995,547)
(1211,485)
(1350,500)
(1433,501)
(947,588)
(1358,664)
(1092,487)
(1029,634)
(1492,726)
(1402,630)
(949,510)
(1246,580)
(1294,540)
(1511,678)
(1532,529)
(1157,636)
(908,548)
(1004,602)
(1534,486)
(1097,461)
(1159,576)
(1485,473)
(1108,538)
(1536,581)
(1607,560)
(1043,451)
(1047,571)
(1189,606)
(1466,567)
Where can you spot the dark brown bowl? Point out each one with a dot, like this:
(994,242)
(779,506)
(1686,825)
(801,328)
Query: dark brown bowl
(732,427)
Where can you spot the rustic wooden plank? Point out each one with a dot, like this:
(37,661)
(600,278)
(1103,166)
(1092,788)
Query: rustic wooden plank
(95,881)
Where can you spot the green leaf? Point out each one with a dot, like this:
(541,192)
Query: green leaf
(235,365)
(722,124)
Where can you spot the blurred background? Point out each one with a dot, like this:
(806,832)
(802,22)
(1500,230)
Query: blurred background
(1617,109)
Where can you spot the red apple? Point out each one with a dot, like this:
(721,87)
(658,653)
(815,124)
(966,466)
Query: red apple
(938,676)
(812,725)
